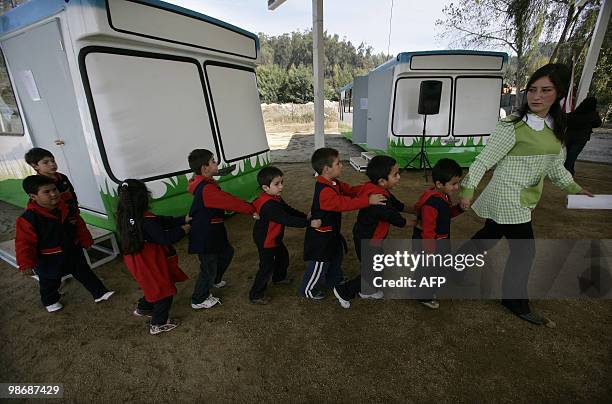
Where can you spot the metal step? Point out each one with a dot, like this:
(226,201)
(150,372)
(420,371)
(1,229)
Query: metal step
(368,155)
(99,235)
(359,163)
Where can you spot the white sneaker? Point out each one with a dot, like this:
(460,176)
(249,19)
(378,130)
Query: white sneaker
(206,304)
(219,285)
(105,296)
(344,303)
(374,296)
(54,307)
(432,304)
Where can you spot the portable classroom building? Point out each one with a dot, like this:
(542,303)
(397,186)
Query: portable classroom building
(469,105)
(122,89)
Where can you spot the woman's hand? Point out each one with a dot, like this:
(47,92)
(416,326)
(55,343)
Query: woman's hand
(586,192)
(465,203)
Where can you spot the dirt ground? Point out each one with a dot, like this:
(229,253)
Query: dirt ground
(302,351)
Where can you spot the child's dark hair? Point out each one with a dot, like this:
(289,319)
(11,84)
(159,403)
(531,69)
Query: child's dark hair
(445,170)
(267,174)
(35,154)
(133,202)
(322,157)
(380,168)
(198,158)
(32,183)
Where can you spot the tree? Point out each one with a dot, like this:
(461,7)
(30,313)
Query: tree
(537,31)
(270,81)
(513,24)
(298,86)
(292,54)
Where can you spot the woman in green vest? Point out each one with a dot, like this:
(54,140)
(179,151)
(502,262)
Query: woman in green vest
(524,148)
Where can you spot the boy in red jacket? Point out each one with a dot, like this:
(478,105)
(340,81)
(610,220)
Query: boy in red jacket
(43,162)
(49,237)
(208,237)
(373,224)
(274,214)
(435,210)
(324,247)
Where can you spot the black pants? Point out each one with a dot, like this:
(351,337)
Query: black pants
(273,262)
(518,266)
(212,269)
(349,289)
(160,308)
(80,270)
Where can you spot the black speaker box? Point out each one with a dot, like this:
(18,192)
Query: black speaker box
(429,97)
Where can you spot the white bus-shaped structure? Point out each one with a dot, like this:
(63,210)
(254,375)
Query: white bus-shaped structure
(388,97)
(120,89)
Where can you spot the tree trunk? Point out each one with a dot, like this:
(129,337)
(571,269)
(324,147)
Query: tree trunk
(519,79)
(568,22)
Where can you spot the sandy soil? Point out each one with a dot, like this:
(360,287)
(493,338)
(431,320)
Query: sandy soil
(301,351)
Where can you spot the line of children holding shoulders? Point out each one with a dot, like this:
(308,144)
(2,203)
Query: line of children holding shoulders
(50,234)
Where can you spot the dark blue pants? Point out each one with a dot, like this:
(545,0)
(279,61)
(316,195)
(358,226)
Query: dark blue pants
(273,262)
(315,270)
(80,270)
(212,268)
(160,308)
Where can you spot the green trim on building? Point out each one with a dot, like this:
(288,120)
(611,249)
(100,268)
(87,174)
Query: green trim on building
(176,201)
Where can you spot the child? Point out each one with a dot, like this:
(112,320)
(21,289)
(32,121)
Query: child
(50,236)
(324,246)
(208,238)
(435,210)
(373,222)
(146,244)
(274,215)
(43,162)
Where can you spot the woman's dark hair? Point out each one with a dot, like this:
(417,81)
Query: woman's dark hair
(558,74)
(133,202)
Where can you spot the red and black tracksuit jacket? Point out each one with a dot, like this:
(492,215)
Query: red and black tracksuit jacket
(45,239)
(66,190)
(208,234)
(274,214)
(434,213)
(373,222)
(330,199)
(155,267)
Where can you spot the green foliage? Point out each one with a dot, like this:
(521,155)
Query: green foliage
(285,74)
(270,79)
(298,86)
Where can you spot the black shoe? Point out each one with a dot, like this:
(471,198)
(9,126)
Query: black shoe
(261,301)
(537,320)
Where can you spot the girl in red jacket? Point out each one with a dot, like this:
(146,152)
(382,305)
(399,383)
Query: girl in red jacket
(146,243)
